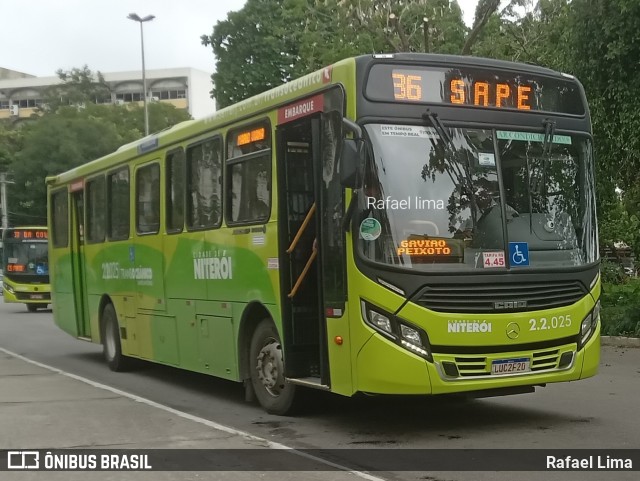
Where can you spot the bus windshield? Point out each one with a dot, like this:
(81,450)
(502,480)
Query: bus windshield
(26,258)
(435,204)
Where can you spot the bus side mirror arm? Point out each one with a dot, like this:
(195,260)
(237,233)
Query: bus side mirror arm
(346,220)
(351,156)
(351,160)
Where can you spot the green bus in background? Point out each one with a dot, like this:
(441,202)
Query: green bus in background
(395,224)
(25,265)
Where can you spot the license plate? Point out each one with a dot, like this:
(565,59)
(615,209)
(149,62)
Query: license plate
(510,366)
(37,296)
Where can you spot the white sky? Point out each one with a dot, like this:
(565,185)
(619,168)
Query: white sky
(41,36)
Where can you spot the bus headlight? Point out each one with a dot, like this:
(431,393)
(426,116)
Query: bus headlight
(410,335)
(380,321)
(411,338)
(588,325)
(9,288)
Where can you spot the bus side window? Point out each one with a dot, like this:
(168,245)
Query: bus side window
(118,205)
(251,190)
(60,213)
(204,184)
(96,213)
(249,175)
(148,199)
(175,191)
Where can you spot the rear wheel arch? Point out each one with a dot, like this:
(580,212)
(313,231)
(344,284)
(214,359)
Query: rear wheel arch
(111,340)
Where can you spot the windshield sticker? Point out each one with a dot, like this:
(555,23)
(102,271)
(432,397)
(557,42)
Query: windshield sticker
(531,137)
(493,259)
(486,160)
(424,247)
(519,254)
(409,131)
(370,229)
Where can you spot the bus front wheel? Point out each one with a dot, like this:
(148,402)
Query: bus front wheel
(267,370)
(111,348)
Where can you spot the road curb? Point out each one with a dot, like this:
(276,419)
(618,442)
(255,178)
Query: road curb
(619,341)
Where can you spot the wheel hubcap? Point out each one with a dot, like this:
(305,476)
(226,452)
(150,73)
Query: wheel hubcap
(270,367)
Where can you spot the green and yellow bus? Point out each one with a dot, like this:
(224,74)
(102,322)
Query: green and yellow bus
(25,264)
(396,224)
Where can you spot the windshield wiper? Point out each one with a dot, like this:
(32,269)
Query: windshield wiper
(549,131)
(439,126)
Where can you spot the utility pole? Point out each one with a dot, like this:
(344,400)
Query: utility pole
(3,199)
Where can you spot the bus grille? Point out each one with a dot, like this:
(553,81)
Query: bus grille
(474,365)
(26,296)
(486,298)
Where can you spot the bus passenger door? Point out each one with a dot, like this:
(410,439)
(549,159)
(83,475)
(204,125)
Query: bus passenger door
(305,230)
(78,272)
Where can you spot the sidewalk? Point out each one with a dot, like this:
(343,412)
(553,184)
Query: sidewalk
(44,409)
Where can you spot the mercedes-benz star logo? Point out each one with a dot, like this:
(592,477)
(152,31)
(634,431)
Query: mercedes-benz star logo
(513,330)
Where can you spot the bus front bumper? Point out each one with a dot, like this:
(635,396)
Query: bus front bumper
(27,294)
(385,368)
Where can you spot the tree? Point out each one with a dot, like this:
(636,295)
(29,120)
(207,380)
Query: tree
(269,42)
(256,48)
(78,86)
(604,53)
(10,143)
(72,136)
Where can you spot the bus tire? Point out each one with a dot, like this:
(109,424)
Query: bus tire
(111,348)
(32,307)
(274,394)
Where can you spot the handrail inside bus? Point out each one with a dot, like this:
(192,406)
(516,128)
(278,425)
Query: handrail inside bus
(303,274)
(302,228)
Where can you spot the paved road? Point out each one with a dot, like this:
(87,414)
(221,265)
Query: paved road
(597,413)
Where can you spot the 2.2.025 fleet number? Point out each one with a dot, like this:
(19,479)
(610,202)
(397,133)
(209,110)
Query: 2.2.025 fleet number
(555,322)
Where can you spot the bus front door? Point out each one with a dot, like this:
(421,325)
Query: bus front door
(307,259)
(78,271)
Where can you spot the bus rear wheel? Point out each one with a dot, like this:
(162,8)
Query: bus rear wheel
(111,348)
(274,393)
(32,307)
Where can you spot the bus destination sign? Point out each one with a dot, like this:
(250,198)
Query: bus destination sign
(474,87)
(27,234)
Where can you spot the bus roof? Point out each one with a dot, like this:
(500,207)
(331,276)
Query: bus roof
(190,128)
(271,99)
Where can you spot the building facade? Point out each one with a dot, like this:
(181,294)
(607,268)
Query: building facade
(21,94)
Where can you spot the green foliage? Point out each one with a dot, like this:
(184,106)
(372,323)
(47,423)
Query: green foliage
(10,143)
(612,273)
(605,55)
(620,313)
(72,136)
(79,86)
(256,48)
(53,144)
(619,225)
(538,36)
(269,42)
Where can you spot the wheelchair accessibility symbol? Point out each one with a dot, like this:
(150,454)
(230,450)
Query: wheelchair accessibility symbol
(519,254)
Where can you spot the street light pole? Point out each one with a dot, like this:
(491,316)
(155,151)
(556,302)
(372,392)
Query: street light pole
(135,17)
